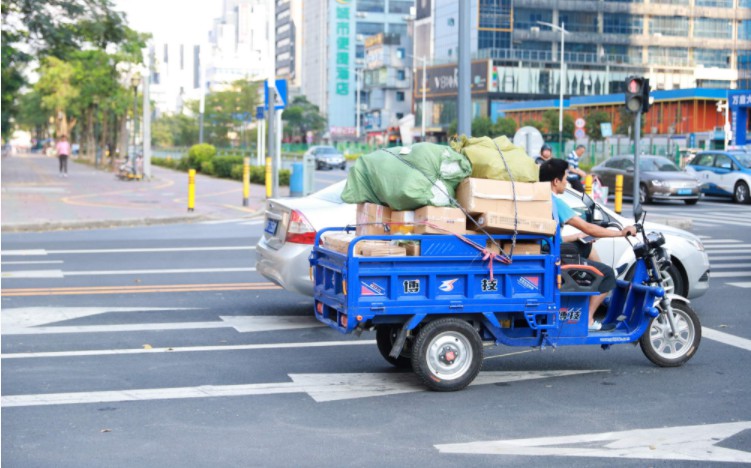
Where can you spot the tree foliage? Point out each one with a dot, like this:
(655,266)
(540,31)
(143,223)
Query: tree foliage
(302,117)
(551,118)
(594,119)
(225,112)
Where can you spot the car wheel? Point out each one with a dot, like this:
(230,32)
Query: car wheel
(690,202)
(740,193)
(318,166)
(673,281)
(344,167)
(644,195)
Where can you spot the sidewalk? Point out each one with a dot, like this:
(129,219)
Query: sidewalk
(35,198)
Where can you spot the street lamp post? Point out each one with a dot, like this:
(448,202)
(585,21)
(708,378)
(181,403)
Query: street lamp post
(424,85)
(563,31)
(358,79)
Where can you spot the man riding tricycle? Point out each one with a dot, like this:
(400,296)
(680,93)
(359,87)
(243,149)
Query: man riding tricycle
(434,312)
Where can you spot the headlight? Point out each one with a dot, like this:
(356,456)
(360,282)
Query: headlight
(660,183)
(695,242)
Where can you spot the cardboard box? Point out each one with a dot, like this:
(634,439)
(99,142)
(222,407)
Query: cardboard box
(503,224)
(533,199)
(406,217)
(452,220)
(371,219)
(374,250)
(412,248)
(337,241)
(524,247)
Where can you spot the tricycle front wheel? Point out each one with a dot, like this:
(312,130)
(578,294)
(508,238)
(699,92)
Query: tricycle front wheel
(666,349)
(447,354)
(385,338)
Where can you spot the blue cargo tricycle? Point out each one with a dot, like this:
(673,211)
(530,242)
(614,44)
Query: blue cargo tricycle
(435,311)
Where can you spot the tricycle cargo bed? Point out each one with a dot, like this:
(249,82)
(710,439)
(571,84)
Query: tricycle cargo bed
(449,277)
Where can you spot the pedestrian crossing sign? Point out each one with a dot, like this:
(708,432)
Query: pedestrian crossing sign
(280,97)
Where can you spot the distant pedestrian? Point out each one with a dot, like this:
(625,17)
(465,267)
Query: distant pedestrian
(546,153)
(63,152)
(576,175)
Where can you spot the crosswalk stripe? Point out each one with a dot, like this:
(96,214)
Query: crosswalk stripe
(727,265)
(730,274)
(746,284)
(711,247)
(700,224)
(722,241)
(721,258)
(721,220)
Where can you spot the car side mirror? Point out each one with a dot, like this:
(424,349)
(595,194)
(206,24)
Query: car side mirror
(588,202)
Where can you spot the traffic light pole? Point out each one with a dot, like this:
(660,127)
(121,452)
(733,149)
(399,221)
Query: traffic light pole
(637,137)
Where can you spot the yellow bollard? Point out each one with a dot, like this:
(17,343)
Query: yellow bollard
(588,185)
(618,193)
(191,189)
(268,178)
(246,181)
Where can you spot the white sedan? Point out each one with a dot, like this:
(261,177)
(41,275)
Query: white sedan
(291,224)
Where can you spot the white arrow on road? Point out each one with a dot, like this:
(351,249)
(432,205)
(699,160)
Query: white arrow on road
(696,443)
(320,387)
(29,321)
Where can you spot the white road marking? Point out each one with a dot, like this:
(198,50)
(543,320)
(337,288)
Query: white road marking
(222,221)
(730,258)
(726,338)
(729,274)
(746,284)
(30,321)
(63,274)
(253,223)
(187,349)
(719,220)
(143,250)
(727,265)
(32,262)
(721,241)
(320,387)
(694,443)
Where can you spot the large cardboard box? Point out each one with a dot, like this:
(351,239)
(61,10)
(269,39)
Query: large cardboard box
(533,199)
(372,219)
(402,222)
(452,220)
(370,249)
(504,224)
(524,247)
(337,241)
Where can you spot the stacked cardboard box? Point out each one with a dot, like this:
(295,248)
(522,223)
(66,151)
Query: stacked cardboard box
(500,207)
(372,219)
(443,220)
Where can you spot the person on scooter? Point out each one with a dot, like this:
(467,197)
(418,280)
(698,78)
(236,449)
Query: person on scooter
(555,171)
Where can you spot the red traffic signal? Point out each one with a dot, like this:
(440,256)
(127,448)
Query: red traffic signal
(635,93)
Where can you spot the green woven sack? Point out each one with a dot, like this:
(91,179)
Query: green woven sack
(406,178)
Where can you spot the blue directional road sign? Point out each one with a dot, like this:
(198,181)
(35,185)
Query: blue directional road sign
(242,116)
(259,112)
(281,94)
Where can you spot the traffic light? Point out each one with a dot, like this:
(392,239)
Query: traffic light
(637,94)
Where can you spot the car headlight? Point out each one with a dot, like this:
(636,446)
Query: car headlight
(660,183)
(695,242)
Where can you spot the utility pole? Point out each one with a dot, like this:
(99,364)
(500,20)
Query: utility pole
(271,114)
(464,124)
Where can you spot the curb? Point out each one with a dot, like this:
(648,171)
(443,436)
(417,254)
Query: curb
(102,224)
(680,223)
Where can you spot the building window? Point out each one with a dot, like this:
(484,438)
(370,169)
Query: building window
(668,26)
(372,6)
(400,96)
(401,75)
(716,3)
(672,56)
(368,29)
(713,28)
(712,58)
(494,14)
(400,53)
(399,115)
(400,6)
(579,21)
(622,24)
(493,40)
(527,19)
(671,2)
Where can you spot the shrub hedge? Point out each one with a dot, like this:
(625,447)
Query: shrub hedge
(226,167)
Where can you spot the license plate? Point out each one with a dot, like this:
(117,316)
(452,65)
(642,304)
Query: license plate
(684,191)
(271,226)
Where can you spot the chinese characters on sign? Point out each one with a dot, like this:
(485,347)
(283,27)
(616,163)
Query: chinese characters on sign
(342,50)
(740,99)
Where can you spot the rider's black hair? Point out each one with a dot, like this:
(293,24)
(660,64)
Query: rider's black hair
(553,169)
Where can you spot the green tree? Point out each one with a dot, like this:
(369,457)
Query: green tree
(626,121)
(222,109)
(302,117)
(594,119)
(482,126)
(174,130)
(58,91)
(505,126)
(538,124)
(551,118)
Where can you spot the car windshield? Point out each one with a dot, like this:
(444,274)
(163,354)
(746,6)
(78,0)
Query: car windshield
(744,159)
(327,150)
(575,202)
(657,165)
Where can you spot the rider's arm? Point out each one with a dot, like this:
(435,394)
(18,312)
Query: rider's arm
(599,231)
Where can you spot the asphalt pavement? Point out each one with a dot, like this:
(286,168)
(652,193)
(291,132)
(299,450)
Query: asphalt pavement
(36,198)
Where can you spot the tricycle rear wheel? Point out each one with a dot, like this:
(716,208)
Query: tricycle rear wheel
(385,338)
(668,350)
(447,354)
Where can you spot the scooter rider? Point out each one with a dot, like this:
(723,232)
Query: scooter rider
(555,171)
